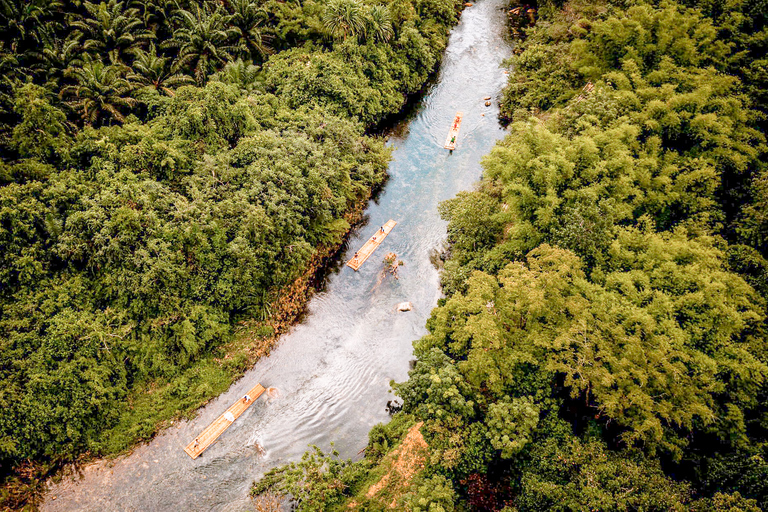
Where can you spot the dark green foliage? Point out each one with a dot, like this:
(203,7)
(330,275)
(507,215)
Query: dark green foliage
(154,72)
(110,28)
(566,473)
(162,45)
(100,92)
(247,18)
(202,38)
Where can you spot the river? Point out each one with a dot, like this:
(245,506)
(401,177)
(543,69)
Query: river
(333,369)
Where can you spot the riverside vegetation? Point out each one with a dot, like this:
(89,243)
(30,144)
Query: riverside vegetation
(168,169)
(602,342)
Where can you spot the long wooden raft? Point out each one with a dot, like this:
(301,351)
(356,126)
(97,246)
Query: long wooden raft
(367,249)
(450,141)
(222,423)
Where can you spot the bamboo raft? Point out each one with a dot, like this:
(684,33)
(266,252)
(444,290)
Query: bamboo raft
(450,141)
(222,423)
(371,245)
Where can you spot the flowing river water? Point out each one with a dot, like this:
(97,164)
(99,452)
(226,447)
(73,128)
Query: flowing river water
(332,370)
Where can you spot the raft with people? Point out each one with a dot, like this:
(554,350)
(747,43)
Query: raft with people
(222,423)
(450,141)
(371,245)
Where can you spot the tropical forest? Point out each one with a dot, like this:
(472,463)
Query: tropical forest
(181,183)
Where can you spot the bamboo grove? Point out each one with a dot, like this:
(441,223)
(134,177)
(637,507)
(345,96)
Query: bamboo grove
(168,167)
(602,342)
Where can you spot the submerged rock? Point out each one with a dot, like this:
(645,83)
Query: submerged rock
(404,306)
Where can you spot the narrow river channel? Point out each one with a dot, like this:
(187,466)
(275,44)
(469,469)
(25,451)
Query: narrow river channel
(332,370)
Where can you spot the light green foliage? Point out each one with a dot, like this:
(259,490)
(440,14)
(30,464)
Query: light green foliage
(436,389)
(42,132)
(510,423)
(244,75)
(379,24)
(434,494)
(603,331)
(383,437)
(727,503)
(651,344)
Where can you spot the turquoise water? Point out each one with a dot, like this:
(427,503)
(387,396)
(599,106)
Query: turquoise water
(332,371)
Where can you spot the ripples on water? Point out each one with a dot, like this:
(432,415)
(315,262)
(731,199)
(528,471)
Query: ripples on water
(329,377)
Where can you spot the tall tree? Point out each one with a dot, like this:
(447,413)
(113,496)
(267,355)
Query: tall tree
(247,17)
(113,28)
(19,19)
(204,41)
(379,24)
(244,75)
(344,18)
(100,91)
(56,54)
(150,70)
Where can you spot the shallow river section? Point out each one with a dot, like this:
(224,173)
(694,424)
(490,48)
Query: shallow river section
(332,371)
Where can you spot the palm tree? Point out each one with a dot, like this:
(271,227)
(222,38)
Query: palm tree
(55,55)
(379,24)
(9,65)
(100,91)
(19,20)
(153,71)
(247,17)
(112,28)
(244,75)
(343,18)
(203,40)
(154,12)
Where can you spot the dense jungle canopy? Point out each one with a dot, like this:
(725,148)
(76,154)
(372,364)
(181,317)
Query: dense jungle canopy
(602,342)
(168,167)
